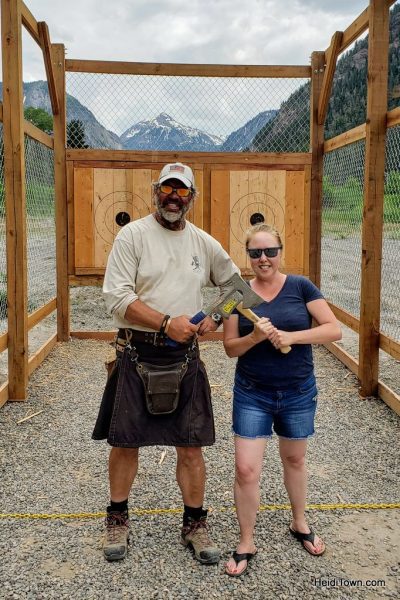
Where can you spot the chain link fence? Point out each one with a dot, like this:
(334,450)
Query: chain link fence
(390,305)
(187,113)
(343,183)
(341,226)
(41,235)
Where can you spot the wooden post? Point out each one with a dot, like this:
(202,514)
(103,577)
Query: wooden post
(14,175)
(60,177)
(378,50)
(317,165)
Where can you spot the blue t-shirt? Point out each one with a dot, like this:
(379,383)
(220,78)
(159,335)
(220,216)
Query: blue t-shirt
(267,367)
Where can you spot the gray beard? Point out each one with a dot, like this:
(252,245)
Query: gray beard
(173,217)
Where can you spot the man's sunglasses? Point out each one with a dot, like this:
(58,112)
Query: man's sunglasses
(182,192)
(269,252)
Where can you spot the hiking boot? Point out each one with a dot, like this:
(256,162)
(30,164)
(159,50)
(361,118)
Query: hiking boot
(116,536)
(195,536)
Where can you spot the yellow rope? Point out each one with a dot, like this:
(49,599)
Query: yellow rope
(158,511)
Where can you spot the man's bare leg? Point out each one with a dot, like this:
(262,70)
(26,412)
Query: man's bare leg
(122,469)
(191,478)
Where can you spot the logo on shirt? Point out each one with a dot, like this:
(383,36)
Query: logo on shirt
(196,263)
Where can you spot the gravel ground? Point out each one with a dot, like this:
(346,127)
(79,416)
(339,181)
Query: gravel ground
(49,465)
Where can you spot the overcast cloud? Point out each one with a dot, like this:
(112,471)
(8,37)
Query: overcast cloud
(187,31)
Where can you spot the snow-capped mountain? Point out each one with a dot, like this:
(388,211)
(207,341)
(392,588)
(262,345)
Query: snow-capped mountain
(164,133)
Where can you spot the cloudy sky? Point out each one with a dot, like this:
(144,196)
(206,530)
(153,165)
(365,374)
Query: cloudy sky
(187,31)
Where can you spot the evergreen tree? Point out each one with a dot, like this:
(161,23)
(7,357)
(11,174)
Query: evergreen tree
(40,118)
(76,134)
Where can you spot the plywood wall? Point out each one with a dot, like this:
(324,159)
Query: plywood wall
(100,194)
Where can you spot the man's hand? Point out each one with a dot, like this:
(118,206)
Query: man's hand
(207,325)
(182,330)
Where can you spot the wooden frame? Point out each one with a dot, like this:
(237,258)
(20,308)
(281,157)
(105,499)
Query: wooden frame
(33,132)
(359,132)
(60,180)
(14,177)
(331,57)
(186,70)
(384,392)
(317,165)
(46,48)
(145,159)
(16,14)
(374,181)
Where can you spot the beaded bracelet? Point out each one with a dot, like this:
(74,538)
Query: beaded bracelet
(164,323)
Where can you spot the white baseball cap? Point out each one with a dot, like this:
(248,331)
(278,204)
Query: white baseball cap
(177,171)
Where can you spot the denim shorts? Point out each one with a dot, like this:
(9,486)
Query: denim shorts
(290,412)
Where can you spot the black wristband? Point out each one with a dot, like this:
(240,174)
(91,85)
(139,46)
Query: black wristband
(164,323)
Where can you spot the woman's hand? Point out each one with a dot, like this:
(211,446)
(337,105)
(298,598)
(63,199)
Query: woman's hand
(263,329)
(279,338)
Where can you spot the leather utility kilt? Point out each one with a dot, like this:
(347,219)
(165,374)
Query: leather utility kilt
(123,416)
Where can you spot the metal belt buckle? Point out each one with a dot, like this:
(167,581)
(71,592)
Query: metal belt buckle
(155,334)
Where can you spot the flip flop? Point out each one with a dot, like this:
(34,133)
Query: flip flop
(239,557)
(307,537)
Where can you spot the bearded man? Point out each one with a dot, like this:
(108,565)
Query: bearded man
(153,284)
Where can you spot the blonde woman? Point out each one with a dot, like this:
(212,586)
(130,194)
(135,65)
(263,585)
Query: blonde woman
(273,390)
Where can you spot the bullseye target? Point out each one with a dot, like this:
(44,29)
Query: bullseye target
(256,207)
(115,210)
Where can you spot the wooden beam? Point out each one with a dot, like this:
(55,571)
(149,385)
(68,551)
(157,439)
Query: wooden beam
(37,134)
(14,176)
(346,358)
(331,58)
(84,280)
(46,49)
(60,181)
(386,343)
(345,317)
(3,341)
(389,397)
(159,158)
(186,70)
(107,336)
(389,345)
(317,152)
(374,180)
(3,393)
(357,27)
(42,353)
(41,313)
(30,23)
(393,117)
(346,138)
(384,392)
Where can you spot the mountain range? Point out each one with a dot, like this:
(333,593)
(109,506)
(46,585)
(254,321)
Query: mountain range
(161,133)
(347,105)
(284,129)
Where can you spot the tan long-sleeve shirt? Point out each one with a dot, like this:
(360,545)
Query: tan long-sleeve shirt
(164,269)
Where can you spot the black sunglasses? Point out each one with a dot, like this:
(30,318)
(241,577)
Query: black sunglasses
(269,252)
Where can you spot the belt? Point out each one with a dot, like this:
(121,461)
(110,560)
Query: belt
(147,337)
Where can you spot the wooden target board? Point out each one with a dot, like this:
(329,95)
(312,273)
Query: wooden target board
(277,197)
(106,199)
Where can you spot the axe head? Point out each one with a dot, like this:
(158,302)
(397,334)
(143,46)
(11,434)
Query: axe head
(236,290)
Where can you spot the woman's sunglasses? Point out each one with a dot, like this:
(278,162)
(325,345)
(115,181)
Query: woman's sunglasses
(182,192)
(269,252)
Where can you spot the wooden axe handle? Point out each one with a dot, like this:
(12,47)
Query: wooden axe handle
(251,316)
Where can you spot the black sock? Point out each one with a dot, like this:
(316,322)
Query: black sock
(118,506)
(193,513)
